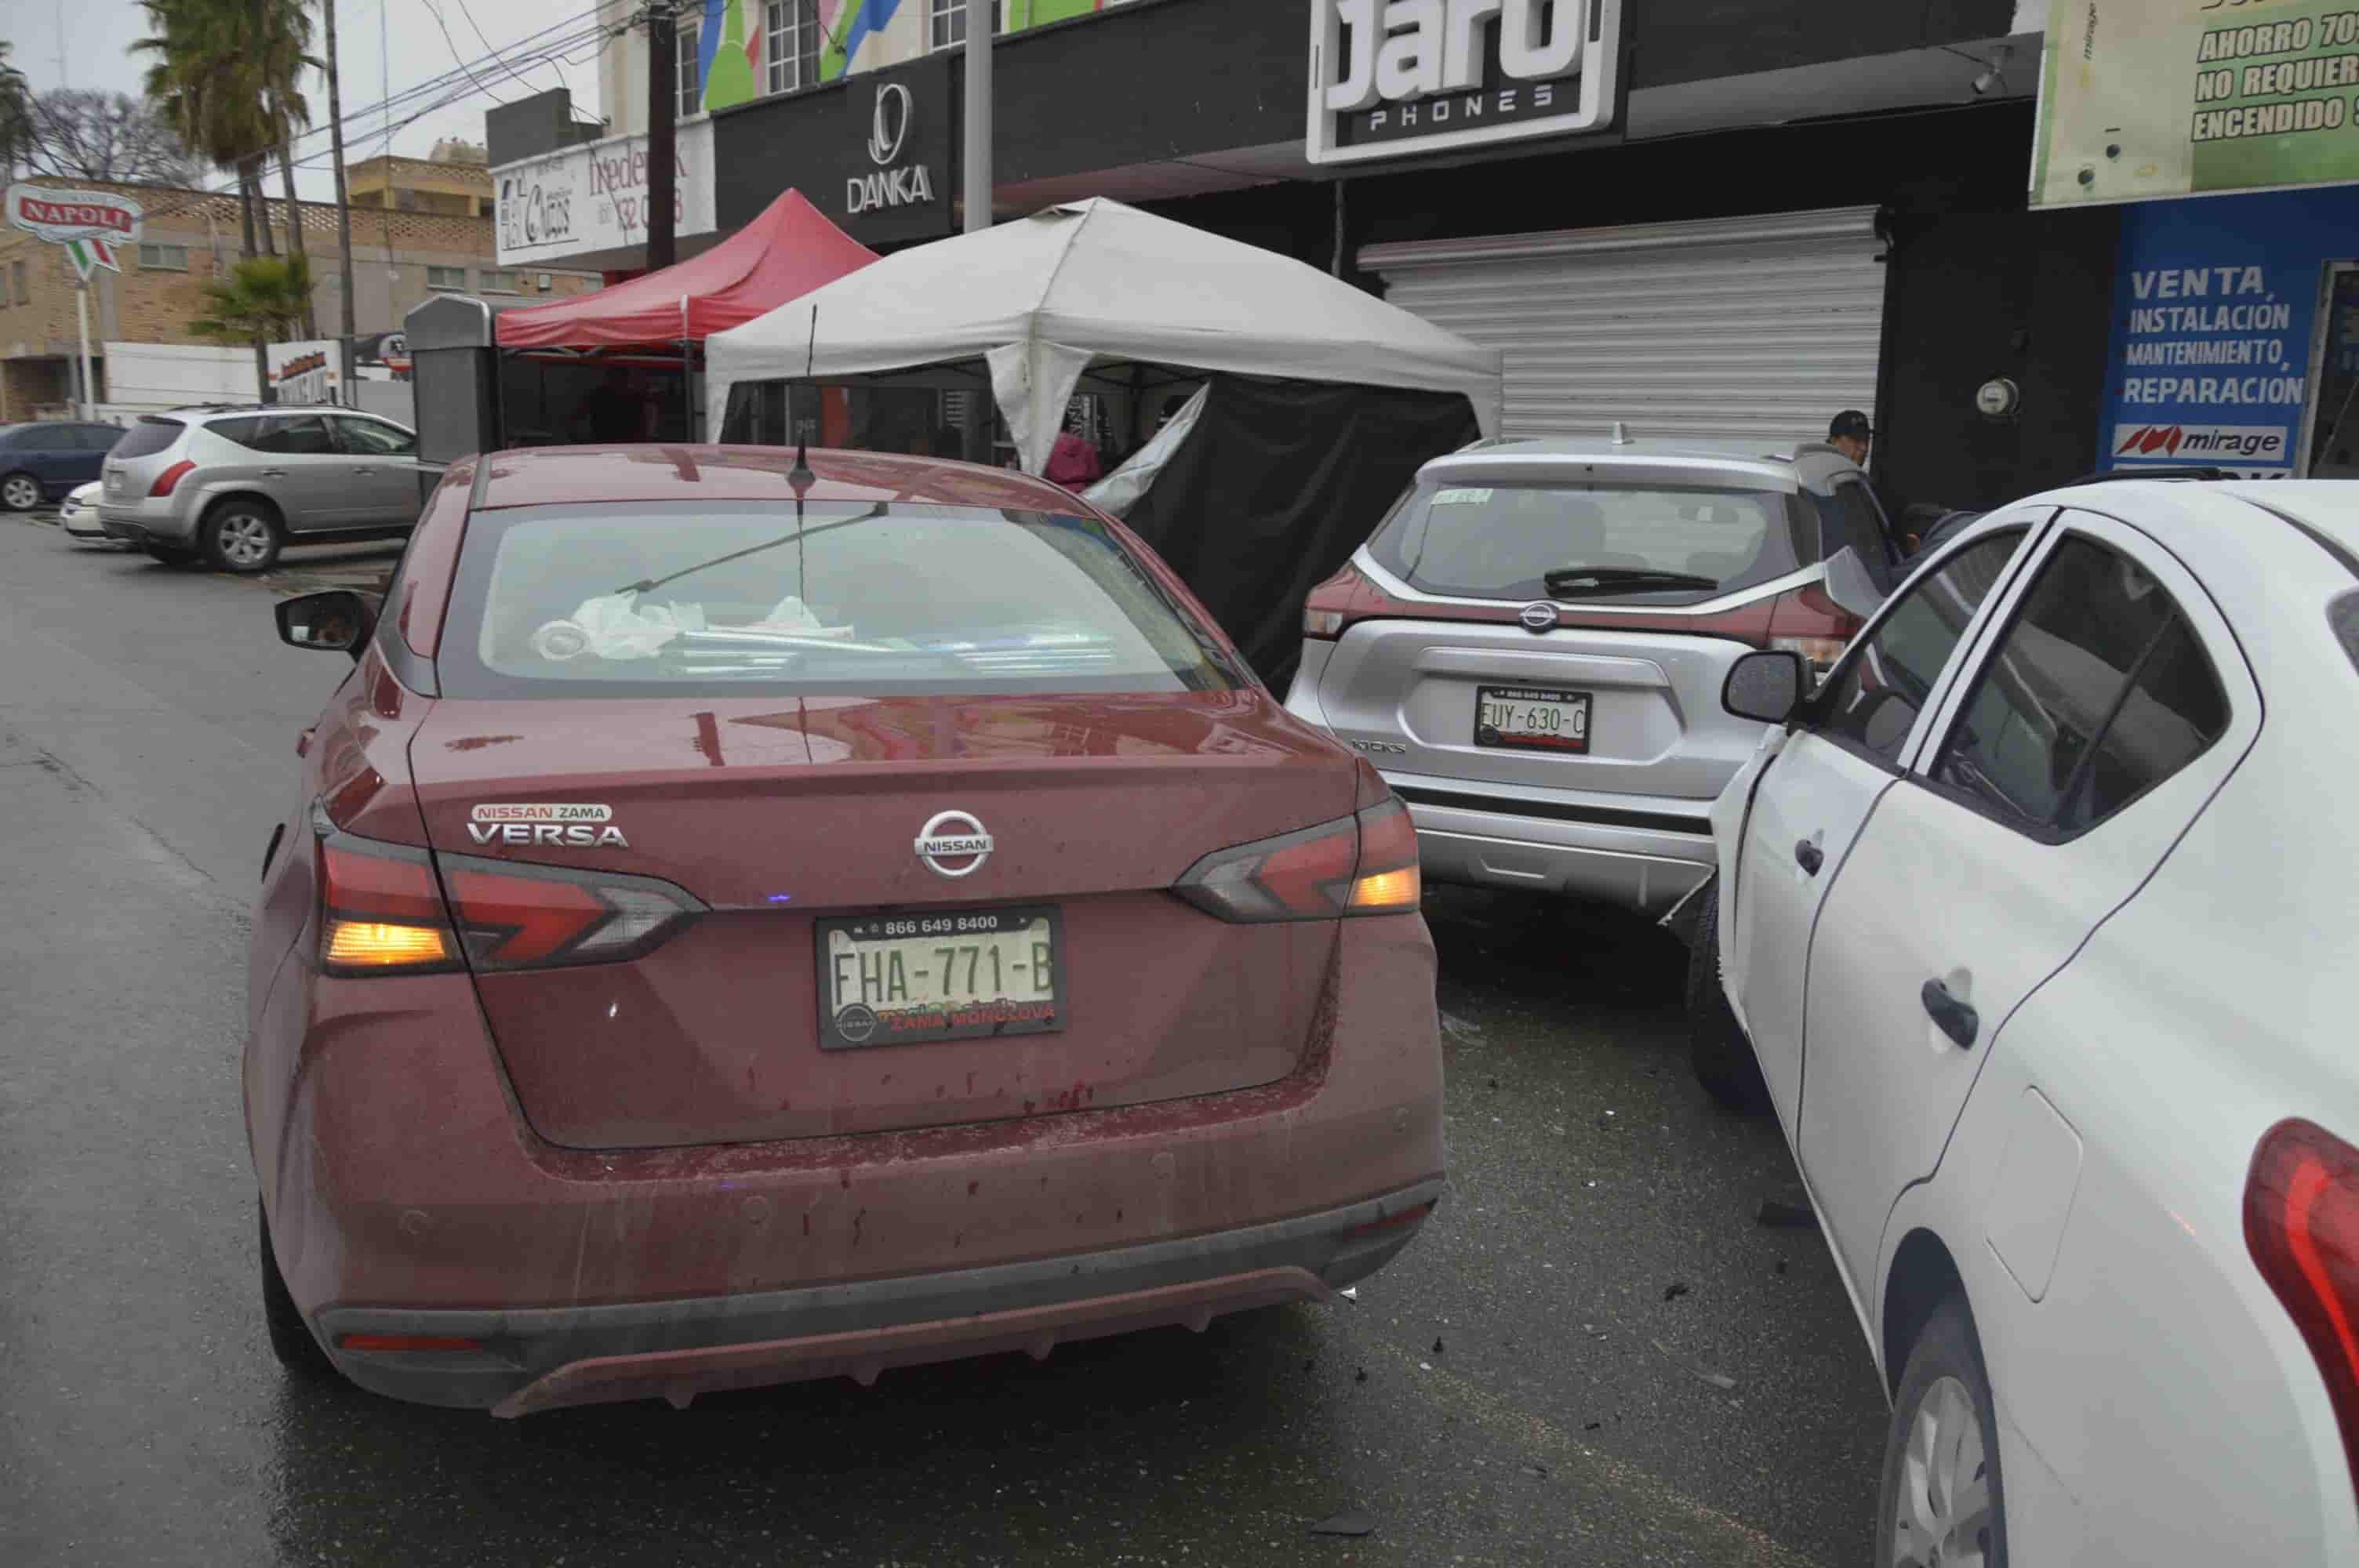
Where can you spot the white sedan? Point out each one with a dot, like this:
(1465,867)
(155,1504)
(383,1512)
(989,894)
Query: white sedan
(79,515)
(2042,919)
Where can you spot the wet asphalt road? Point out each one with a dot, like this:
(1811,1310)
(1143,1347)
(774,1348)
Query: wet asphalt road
(1521,1386)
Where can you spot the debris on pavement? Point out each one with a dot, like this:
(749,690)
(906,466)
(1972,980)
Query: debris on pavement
(1459,1030)
(1540,1470)
(1720,1381)
(1436,1346)
(1777,1213)
(1350,1293)
(1350,1524)
(1360,1376)
(1675,1290)
(1780,1268)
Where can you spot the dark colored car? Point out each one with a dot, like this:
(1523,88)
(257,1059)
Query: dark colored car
(43,461)
(746,924)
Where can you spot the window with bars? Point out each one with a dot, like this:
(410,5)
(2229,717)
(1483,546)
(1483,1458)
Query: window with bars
(685,73)
(791,45)
(164,258)
(946,22)
(496,281)
(450,278)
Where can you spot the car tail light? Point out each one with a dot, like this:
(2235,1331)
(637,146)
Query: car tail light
(2301,1225)
(380,910)
(1328,610)
(514,916)
(1808,623)
(169,477)
(1363,864)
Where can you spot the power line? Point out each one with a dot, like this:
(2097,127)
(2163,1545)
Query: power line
(487,43)
(453,44)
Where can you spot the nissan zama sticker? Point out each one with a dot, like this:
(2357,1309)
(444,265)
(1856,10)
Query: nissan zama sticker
(579,826)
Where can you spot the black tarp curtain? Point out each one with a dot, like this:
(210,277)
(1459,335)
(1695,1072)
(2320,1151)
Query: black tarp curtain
(1277,485)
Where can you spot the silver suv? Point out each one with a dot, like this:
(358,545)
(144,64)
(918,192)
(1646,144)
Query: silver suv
(237,485)
(1531,647)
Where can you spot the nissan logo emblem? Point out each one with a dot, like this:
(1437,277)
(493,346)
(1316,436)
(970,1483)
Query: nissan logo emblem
(890,127)
(1537,617)
(954,844)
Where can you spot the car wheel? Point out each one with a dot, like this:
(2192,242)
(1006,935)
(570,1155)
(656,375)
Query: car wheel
(290,1337)
(1722,1057)
(1944,1502)
(20,493)
(171,555)
(240,536)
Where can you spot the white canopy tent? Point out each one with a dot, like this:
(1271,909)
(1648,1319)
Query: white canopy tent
(1087,285)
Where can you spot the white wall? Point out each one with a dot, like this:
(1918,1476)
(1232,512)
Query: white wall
(164,375)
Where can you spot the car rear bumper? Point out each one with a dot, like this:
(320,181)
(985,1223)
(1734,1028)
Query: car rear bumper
(1641,860)
(145,526)
(403,1190)
(548,1359)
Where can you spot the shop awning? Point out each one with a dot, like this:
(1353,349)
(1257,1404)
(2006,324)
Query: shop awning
(781,255)
(1091,284)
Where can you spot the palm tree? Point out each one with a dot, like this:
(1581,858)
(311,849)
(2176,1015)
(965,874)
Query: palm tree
(203,79)
(265,297)
(282,45)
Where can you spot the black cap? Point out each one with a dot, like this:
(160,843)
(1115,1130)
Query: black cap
(1850,422)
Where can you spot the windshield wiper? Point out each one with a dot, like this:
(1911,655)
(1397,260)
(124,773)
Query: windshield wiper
(1567,582)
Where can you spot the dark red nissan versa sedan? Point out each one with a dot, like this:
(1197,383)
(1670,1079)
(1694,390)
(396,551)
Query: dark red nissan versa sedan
(748,922)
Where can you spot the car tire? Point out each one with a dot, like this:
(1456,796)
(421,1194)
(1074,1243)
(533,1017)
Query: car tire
(171,555)
(290,1337)
(241,536)
(1717,1049)
(1943,1498)
(19,492)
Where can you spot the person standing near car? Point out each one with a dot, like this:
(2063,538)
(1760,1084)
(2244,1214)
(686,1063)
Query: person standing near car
(1849,433)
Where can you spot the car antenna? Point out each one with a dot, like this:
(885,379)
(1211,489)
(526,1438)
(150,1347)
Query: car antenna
(800,476)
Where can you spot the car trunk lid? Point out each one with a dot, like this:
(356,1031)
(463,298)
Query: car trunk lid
(793,818)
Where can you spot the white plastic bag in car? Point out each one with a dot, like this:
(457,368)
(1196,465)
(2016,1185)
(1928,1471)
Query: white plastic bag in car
(613,626)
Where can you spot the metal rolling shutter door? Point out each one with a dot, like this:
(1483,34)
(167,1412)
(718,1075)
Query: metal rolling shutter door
(1746,328)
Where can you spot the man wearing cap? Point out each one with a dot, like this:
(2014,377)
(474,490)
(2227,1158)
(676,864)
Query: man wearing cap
(1849,433)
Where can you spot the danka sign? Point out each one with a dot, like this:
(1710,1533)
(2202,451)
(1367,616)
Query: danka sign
(1392,77)
(893,183)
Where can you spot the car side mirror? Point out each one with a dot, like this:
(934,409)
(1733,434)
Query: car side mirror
(339,621)
(1762,685)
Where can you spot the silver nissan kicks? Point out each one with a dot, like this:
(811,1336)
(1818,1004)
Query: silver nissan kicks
(234,486)
(1531,647)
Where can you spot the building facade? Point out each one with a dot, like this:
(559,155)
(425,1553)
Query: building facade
(1699,219)
(191,238)
(455,182)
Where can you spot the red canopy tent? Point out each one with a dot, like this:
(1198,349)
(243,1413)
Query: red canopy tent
(783,254)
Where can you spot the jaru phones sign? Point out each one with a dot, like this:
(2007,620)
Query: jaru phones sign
(2216,304)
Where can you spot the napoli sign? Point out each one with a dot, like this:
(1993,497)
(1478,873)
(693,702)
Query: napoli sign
(1394,77)
(91,225)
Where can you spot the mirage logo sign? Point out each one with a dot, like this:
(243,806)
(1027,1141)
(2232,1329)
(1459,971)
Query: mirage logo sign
(1395,78)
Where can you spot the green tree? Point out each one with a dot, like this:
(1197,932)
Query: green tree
(264,299)
(228,74)
(16,114)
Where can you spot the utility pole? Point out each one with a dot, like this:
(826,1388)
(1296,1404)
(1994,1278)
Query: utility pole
(344,208)
(663,140)
(977,151)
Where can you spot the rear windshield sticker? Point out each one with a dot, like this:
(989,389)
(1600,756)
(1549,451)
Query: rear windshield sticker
(1460,497)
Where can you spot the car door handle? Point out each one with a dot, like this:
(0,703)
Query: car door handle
(274,473)
(1809,857)
(1957,1020)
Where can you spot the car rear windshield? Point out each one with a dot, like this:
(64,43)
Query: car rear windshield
(147,438)
(892,599)
(1658,545)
